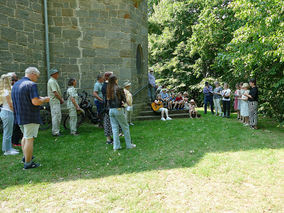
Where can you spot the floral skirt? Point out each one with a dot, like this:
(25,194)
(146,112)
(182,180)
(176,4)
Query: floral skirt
(107,125)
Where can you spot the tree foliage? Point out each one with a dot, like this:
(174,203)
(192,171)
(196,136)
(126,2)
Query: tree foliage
(231,41)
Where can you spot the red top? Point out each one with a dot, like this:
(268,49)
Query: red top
(178,99)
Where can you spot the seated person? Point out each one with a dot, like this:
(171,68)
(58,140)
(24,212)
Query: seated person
(170,92)
(186,101)
(171,101)
(186,104)
(157,106)
(192,109)
(165,97)
(179,103)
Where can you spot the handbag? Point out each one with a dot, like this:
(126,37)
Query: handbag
(129,108)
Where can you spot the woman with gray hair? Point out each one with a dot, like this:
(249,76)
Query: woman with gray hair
(217,98)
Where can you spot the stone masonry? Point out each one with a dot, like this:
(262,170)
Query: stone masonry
(87,37)
(22,37)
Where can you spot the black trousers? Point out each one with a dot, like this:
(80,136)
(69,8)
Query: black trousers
(227,108)
(17,135)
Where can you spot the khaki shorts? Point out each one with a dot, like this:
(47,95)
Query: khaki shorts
(29,130)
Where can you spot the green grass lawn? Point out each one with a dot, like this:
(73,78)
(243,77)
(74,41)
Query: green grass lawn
(202,165)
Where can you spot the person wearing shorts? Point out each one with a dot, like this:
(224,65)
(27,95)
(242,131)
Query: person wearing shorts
(26,104)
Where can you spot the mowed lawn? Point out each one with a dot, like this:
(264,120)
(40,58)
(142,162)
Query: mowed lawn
(184,165)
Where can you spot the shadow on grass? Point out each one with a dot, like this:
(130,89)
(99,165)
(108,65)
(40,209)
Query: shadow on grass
(161,145)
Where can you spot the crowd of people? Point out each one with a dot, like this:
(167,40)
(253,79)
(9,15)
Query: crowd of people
(245,99)
(165,100)
(21,103)
(20,111)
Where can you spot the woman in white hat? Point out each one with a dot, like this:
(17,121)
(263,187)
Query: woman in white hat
(128,104)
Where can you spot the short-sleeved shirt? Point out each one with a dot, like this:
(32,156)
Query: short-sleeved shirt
(5,105)
(72,93)
(98,89)
(23,92)
(254,94)
(53,86)
(207,91)
(217,90)
(164,95)
(179,99)
(226,92)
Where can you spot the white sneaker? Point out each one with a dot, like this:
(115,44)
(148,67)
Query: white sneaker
(168,119)
(14,150)
(163,119)
(11,153)
(132,146)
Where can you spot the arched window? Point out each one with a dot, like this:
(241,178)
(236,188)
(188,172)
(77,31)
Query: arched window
(139,59)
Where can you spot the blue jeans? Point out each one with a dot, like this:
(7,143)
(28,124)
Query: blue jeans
(117,118)
(8,123)
(152,93)
(100,108)
(208,100)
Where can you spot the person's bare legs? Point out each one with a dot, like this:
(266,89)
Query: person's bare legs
(247,120)
(175,105)
(167,113)
(28,149)
(23,144)
(162,113)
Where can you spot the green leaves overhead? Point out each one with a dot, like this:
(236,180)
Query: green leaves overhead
(220,39)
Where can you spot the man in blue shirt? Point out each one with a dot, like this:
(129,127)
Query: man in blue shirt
(26,102)
(152,85)
(208,97)
(99,100)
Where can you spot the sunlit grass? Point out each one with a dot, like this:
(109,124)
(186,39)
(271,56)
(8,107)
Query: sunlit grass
(205,165)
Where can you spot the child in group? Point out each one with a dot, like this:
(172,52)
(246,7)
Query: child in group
(165,96)
(171,92)
(236,101)
(158,105)
(186,101)
(192,109)
(129,106)
(171,101)
(72,105)
(179,103)
(244,105)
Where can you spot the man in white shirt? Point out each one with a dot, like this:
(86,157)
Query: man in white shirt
(56,99)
